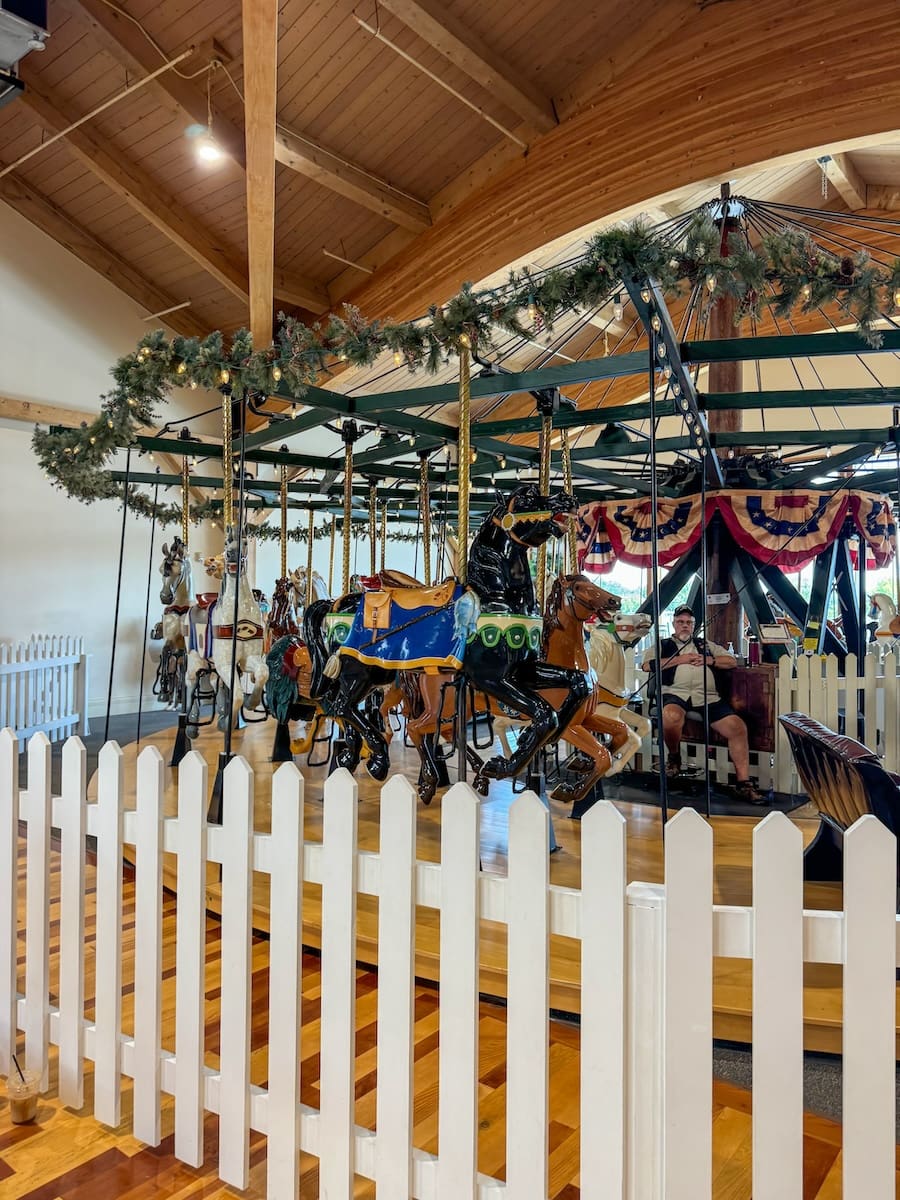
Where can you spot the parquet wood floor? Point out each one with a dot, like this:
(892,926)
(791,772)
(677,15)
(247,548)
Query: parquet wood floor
(67,1155)
(732,838)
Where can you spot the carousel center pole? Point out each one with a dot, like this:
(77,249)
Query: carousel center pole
(425,509)
(182,745)
(383,532)
(284,521)
(331,556)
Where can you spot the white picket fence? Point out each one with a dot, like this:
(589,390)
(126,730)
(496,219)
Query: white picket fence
(43,687)
(646,977)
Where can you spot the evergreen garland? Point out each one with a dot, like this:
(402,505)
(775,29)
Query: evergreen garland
(800,272)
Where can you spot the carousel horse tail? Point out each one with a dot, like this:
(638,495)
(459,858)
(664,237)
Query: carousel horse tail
(313,635)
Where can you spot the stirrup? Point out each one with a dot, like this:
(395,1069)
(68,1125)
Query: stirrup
(673,766)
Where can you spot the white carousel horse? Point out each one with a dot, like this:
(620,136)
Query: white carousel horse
(175,594)
(249,643)
(606,654)
(297,581)
(888,630)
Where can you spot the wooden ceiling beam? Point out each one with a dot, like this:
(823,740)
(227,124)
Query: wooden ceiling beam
(845,178)
(883,197)
(314,162)
(454,41)
(157,207)
(33,412)
(123,40)
(51,220)
(260,28)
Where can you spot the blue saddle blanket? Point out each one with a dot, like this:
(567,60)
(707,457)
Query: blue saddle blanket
(408,637)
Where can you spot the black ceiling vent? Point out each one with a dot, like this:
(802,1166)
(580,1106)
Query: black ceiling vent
(23,28)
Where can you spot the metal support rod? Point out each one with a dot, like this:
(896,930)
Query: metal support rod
(242,463)
(463,460)
(383,533)
(115,628)
(544,487)
(147,615)
(284,522)
(572,534)
(310,538)
(654,561)
(227,460)
(348,432)
(704,565)
(185,500)
(331,556)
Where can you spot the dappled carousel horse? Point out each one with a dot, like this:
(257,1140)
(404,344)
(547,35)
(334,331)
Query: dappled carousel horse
(175,594)
(246,632)
(490,631)
(883,610)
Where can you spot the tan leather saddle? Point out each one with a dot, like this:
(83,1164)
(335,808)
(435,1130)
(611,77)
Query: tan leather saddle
(377,605)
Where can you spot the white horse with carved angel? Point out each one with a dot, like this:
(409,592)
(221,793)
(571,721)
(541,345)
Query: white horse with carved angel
(175,594)
(235,620)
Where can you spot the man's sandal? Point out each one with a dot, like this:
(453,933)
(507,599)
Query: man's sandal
(747,791)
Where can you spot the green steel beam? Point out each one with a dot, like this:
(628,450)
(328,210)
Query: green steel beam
(800,398)
(797,345)
(567,419)
(807,437)
(822,467)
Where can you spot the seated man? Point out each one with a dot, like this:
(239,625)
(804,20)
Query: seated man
(686,662)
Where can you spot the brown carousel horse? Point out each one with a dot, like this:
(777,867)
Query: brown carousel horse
(429,703)
(573,600)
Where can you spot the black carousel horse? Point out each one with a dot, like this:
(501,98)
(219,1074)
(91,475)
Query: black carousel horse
(440,629)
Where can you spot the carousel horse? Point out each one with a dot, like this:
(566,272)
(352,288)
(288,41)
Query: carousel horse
(488,632)
(175,594)
(606,653)
(297,582)
(572,600)
(282,619)
(234,600)
(883,610)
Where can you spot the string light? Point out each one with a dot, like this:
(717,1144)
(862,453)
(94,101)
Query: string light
(617,308)
(501,462)
(805,293)
(465,341)
(532,310)
(224,375)
(710,283)
(193,385)
(897,298)
(398,358)
(655,323)
(181,369)
(276,374)
(473,455)
(645,295)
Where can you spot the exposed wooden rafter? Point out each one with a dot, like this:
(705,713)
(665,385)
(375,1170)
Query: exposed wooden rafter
(315,162)
(845,178)
(260,19)
(438,27)
(94,254)
(163,211)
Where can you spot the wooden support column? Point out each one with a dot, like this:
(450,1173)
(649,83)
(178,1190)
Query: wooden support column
(723,621)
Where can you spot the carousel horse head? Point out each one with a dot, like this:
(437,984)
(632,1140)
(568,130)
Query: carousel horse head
(296,579)
(573,600)
(629,628)
(531,518)
(235,553)
(175,570)
(215,566)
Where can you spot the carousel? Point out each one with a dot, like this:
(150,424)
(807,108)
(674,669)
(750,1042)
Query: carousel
(500,659)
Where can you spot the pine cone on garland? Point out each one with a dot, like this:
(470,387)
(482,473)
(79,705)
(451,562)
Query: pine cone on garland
(848,267)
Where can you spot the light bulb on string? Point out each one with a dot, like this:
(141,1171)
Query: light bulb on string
(897,297)
(617,308)
(276,374)
(710,283)
(805,293)
(532,310)
(181,369)
(645,295)
(224,375)
(398,358)
(655,323)
(828,452)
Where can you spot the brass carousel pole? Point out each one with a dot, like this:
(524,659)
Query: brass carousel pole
(425,508)
(309,556)
(463,459)
(227,461)
(544,487)
(349,433)
(572,534)
(373,522)
(185,500)
(284,520)
(331,556)
(383,532)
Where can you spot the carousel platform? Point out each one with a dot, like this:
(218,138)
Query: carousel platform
(732,834)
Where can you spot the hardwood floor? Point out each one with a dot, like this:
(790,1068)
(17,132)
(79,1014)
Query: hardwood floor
(66,1155)
(732,836)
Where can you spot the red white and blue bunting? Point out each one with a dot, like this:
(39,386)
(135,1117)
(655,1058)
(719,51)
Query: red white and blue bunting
(787,529)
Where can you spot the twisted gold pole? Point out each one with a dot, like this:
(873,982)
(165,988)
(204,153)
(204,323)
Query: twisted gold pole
(425,504)
(309,558)
(463,456)
(284,518)
(572,532)
(348,506)
(331,555)
(544,486)
(373,519)
(227,462)
(383,532)
(185,499)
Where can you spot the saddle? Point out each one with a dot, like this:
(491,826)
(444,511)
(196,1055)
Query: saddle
(377,605)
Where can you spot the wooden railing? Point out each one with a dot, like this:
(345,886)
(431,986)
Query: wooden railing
(43,687)
(646,955)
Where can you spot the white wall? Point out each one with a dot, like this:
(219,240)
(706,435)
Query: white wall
(61,328)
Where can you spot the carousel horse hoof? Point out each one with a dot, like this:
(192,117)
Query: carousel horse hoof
(495,768)
(481,784)
(426,791)
(580,764)
(378,766)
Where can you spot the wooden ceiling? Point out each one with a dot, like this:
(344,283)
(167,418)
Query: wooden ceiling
(514,125)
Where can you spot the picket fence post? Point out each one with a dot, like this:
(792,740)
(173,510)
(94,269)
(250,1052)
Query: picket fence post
(458,1049)
(73,828)
(108,986)
(37,908)
(336,1086)
(644,1125)
(9,891)
(148,946)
